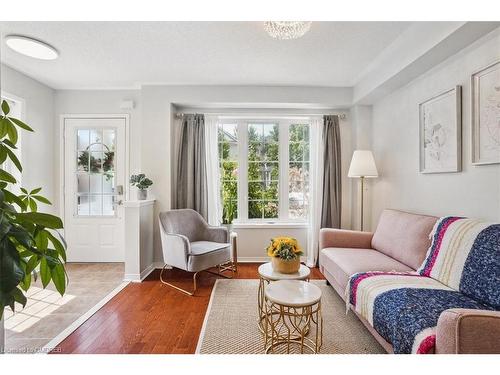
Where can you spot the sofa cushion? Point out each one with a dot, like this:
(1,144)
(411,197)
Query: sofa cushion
(465,255)
(404,308)
(341,263)
(404,236)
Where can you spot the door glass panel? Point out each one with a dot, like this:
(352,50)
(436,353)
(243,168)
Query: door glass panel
(95,172)
(96,205)
(82,181)
(96,183)
(83,205)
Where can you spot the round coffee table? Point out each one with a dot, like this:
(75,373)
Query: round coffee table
(292,310)
(267,274)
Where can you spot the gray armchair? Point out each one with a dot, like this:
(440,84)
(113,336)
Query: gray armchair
(192,245)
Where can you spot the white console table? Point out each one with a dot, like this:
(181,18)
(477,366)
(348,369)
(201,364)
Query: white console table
(139,253)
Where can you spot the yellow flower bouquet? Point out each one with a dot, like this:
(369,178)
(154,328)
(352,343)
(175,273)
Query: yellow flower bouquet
(285,254)
(286,248)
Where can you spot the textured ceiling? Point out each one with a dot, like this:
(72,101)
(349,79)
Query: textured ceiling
(127,54)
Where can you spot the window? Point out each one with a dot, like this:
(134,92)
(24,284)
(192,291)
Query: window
(228,161)
(264,169)
(298,171)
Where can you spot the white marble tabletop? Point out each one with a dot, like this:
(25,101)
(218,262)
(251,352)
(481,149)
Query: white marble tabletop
(295,293)
(266,271)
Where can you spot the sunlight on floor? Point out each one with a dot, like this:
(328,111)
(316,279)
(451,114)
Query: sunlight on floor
(41,303)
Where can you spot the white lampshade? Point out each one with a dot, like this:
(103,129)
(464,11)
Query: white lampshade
(363,164)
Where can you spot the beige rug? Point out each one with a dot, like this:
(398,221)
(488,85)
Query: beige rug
(230,325)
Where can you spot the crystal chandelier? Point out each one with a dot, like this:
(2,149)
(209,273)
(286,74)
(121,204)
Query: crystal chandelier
(287,29)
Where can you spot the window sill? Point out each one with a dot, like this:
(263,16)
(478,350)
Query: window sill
(275,225)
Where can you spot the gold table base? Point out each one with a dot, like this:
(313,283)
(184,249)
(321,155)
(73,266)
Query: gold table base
(289,325)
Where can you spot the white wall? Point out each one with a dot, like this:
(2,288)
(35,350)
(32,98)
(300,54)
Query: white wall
(37,148)
(475,191)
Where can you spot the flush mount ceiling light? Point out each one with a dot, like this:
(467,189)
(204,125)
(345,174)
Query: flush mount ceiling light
(287,29)
(31,47)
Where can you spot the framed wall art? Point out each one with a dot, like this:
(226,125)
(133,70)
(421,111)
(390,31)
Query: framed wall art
(485,115)
(440,119)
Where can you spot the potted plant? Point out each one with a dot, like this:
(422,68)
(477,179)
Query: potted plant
(228,213)
(142,183)
(30,244)
(285,254)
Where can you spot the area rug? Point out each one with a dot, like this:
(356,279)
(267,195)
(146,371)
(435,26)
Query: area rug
(230,325)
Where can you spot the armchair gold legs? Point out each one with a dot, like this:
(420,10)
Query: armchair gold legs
(220,269)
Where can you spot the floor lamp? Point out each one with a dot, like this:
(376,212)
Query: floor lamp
(362,166)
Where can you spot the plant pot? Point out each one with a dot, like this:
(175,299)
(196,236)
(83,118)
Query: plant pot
(285,266)
(142,195)
(2,336)
(229,227)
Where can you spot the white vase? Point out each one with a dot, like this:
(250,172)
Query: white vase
(142,195)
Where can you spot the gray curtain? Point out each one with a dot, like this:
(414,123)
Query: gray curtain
(191,175)
(332,173)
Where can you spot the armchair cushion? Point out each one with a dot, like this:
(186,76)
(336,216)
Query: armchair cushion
(207,260)
(203,247)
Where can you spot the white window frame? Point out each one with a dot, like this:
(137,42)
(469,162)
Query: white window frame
(283,195)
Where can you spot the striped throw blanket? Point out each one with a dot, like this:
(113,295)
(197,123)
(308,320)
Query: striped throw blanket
(461,270)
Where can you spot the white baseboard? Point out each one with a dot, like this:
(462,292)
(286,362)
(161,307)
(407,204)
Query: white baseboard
(137,278)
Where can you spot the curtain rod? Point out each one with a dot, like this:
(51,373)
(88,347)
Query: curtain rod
(342,116)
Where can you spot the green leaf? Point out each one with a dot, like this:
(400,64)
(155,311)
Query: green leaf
(19,297)
(6,176)
(4,126)
(35,191)
(14,159)
(44,272)
(24,190)
(5,107)
(9,143)
(59,278)
(26,283)
(45,220)
(20,124)
(42,240)
(41,199)
(12,198)
(58,245)
(11,272)
(33,205)
(3,153)
(32,263)
(12,132)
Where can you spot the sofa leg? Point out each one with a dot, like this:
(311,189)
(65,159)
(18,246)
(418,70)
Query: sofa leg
(328,283)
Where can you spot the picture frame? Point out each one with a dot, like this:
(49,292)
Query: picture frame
(440,135)
(485,115)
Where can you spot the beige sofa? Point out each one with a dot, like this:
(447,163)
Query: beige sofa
(400,243)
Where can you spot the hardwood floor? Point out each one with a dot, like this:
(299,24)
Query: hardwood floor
(150,317)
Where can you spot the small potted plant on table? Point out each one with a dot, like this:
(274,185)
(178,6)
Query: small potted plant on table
(285,254)
(142,183)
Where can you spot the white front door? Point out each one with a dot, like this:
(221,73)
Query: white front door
(94,185)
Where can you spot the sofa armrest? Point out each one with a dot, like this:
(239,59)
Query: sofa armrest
(468,331)
(329,237)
